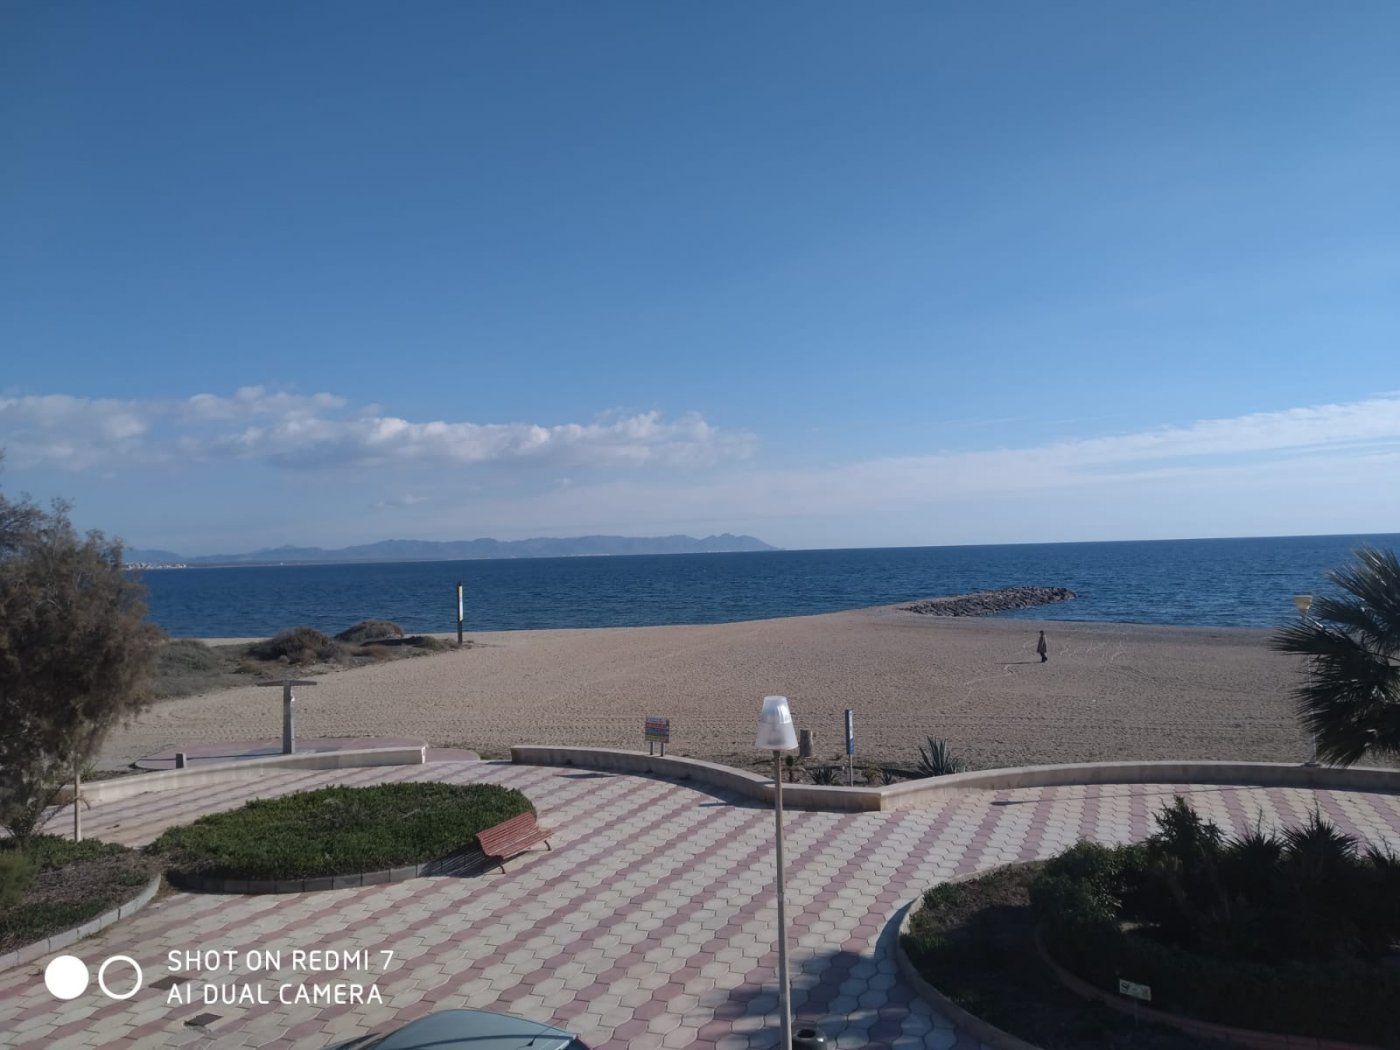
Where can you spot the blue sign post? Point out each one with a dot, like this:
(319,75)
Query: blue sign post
(850,747)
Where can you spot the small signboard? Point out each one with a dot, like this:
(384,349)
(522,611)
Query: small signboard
(658,730)
(850,732)
(1135,991)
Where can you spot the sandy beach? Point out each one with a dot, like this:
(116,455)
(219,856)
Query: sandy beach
(1109,691)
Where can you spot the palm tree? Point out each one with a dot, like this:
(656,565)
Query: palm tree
(1350,699)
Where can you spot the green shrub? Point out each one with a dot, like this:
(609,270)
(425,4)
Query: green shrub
(51,852)
(297,645)
(185,656)
(827,775)
(370,631)
(1306,895)
(1379,895)
(1280,933)
(186,666)
(337,831)
(974,941)
(938,760)
(16,875)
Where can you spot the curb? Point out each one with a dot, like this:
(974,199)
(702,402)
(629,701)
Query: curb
(203,774)
(970,1023)
(468,861)
(820,798)
(62,940)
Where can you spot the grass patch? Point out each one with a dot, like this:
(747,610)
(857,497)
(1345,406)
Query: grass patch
(188,667)
(370,631)
(973,942)
(297,645)
(71,883)
(337,831)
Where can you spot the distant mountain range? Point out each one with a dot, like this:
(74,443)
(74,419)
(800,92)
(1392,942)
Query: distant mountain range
(459,550)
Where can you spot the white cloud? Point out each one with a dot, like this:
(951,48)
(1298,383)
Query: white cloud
(1306,469)
(70,432)
(636,441)
(1321,426)
(1262,467)
(323,430)
(255,402)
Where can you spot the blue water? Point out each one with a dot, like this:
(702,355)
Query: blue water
(1230,583)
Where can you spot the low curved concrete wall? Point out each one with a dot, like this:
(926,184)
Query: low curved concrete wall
(670,767)
(1252,774)
(920,792)
(219,772)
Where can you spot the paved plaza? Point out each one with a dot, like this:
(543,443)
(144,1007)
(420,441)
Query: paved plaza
(650,924)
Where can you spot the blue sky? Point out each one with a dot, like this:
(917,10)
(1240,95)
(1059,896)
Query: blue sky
(832,274)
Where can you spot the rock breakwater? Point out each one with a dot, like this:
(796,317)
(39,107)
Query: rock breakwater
(985,603)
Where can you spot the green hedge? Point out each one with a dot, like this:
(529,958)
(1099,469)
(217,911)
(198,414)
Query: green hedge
(1343,1000)
(337,831)
(1079,900)
(60,884)
(974,942)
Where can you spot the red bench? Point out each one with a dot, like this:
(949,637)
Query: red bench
(513,837)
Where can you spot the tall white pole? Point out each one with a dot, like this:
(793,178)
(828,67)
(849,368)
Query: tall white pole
(1303,602)
(77,802)
(784,991)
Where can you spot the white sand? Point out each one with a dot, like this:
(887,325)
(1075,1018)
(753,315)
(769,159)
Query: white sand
(1110,691)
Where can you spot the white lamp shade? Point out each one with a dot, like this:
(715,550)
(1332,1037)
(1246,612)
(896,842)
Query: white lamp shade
(1303,602)
(775,730)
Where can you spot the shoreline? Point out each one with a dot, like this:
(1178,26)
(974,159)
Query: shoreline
(896,610)
(1109,691)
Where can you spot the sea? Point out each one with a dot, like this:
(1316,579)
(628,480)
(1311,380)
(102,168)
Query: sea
(1210,582)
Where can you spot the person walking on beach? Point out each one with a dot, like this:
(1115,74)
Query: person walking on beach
(1042,648)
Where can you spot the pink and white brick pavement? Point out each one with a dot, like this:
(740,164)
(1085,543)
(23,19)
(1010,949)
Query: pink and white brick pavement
(650,925)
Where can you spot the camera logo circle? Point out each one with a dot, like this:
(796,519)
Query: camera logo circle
(68,977)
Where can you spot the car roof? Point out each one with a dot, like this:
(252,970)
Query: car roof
(474,1030)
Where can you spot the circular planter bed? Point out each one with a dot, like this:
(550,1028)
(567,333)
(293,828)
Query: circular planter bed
(1271,937)
(974,942)
(336,838)
(69,887)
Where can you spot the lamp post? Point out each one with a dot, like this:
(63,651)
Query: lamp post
(1303,602)
(776,734)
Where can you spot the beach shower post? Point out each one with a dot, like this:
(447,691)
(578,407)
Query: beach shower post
(1303,602)
(289,714)
(776,734)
